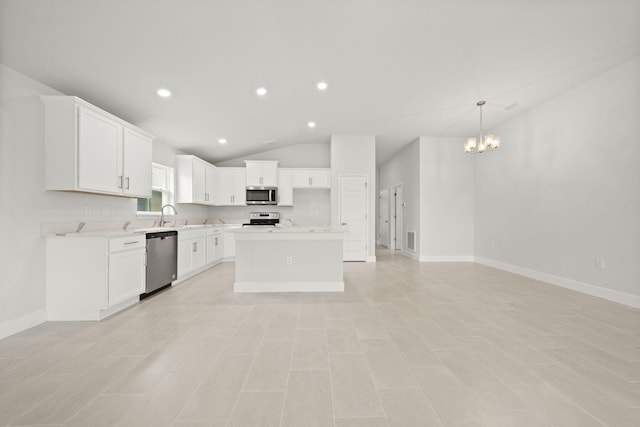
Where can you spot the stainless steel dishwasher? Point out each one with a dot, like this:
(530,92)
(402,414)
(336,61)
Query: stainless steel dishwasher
(162,260)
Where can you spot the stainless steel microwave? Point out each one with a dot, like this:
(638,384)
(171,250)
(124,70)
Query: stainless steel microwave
(262,196)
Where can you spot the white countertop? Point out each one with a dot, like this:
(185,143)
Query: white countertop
(290,229)
(134,232)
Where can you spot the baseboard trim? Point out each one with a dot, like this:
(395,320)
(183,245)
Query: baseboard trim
(446,258)
(585,288)
(22,323)
(414,256)
(371,258)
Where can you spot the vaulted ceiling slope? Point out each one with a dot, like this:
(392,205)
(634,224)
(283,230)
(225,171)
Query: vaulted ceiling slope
(397,69)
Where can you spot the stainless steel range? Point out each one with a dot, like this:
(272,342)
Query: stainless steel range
(263,219)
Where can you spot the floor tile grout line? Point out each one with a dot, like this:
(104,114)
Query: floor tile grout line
(293,346)
(253,362)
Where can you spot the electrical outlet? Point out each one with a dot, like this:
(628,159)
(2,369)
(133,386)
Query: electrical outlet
(289,260)
(105,211)
(600,263)
(493,245)
(88,211)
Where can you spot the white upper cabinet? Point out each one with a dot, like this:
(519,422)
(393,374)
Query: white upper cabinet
(196,180)
(90,150)
(232,187)
(99,152)
(136,171)
(262,173)
(285,187)
(311,178)
(210,177)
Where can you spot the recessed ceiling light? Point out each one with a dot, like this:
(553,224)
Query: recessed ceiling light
(311,124)
(222,141)
(261,91)
(322,85)
(164,93)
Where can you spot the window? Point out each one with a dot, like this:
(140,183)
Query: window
(161,190)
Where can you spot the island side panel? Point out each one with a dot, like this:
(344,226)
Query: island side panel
(275,265)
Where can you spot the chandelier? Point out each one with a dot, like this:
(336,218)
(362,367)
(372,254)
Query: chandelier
(483,143)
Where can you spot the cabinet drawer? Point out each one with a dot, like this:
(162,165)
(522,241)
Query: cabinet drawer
(191,234)
(214,231)
(126,243)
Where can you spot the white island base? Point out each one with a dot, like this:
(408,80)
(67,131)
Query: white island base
(291,259)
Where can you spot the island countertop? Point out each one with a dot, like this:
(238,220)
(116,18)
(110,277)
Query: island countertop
(288,233)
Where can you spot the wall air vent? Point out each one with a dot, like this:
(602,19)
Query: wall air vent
(411,240)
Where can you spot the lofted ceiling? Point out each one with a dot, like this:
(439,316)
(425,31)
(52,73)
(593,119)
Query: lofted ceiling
(397,69)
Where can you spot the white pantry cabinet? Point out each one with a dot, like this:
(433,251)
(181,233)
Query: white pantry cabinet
(285,187)
(262,173)
(92,277)
(196,180)
(232,187)
(90,150)
(311,178)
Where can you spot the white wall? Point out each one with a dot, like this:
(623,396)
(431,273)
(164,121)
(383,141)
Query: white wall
(446,198)
(564,189)
(294,156)
(26,206)
(404,168)
(354,155)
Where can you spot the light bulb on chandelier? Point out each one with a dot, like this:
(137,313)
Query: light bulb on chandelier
(480,145)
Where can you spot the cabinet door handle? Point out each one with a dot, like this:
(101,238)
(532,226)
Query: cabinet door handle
(216,240)
(120,178)
(128,181)
(309,180)
(131,243)
(193,246)
(145,259)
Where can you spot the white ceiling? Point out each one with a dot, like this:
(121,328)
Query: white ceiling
(398,69)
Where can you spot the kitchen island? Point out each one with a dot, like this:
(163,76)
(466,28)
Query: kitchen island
(289,259)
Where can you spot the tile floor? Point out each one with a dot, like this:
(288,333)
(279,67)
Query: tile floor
(407,344)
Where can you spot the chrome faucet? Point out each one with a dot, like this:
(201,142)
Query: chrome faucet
(175,212)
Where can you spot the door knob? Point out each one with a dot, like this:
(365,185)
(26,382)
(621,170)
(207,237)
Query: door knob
(344,223)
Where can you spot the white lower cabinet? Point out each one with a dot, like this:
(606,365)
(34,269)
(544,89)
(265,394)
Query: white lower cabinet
(126,277)
(198,249)
(191,251)
(230,241)
(92,277)
(215,245)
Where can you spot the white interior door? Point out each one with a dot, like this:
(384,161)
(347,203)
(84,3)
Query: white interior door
(399,216)
(395,217)
(353,215)
(384,218)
